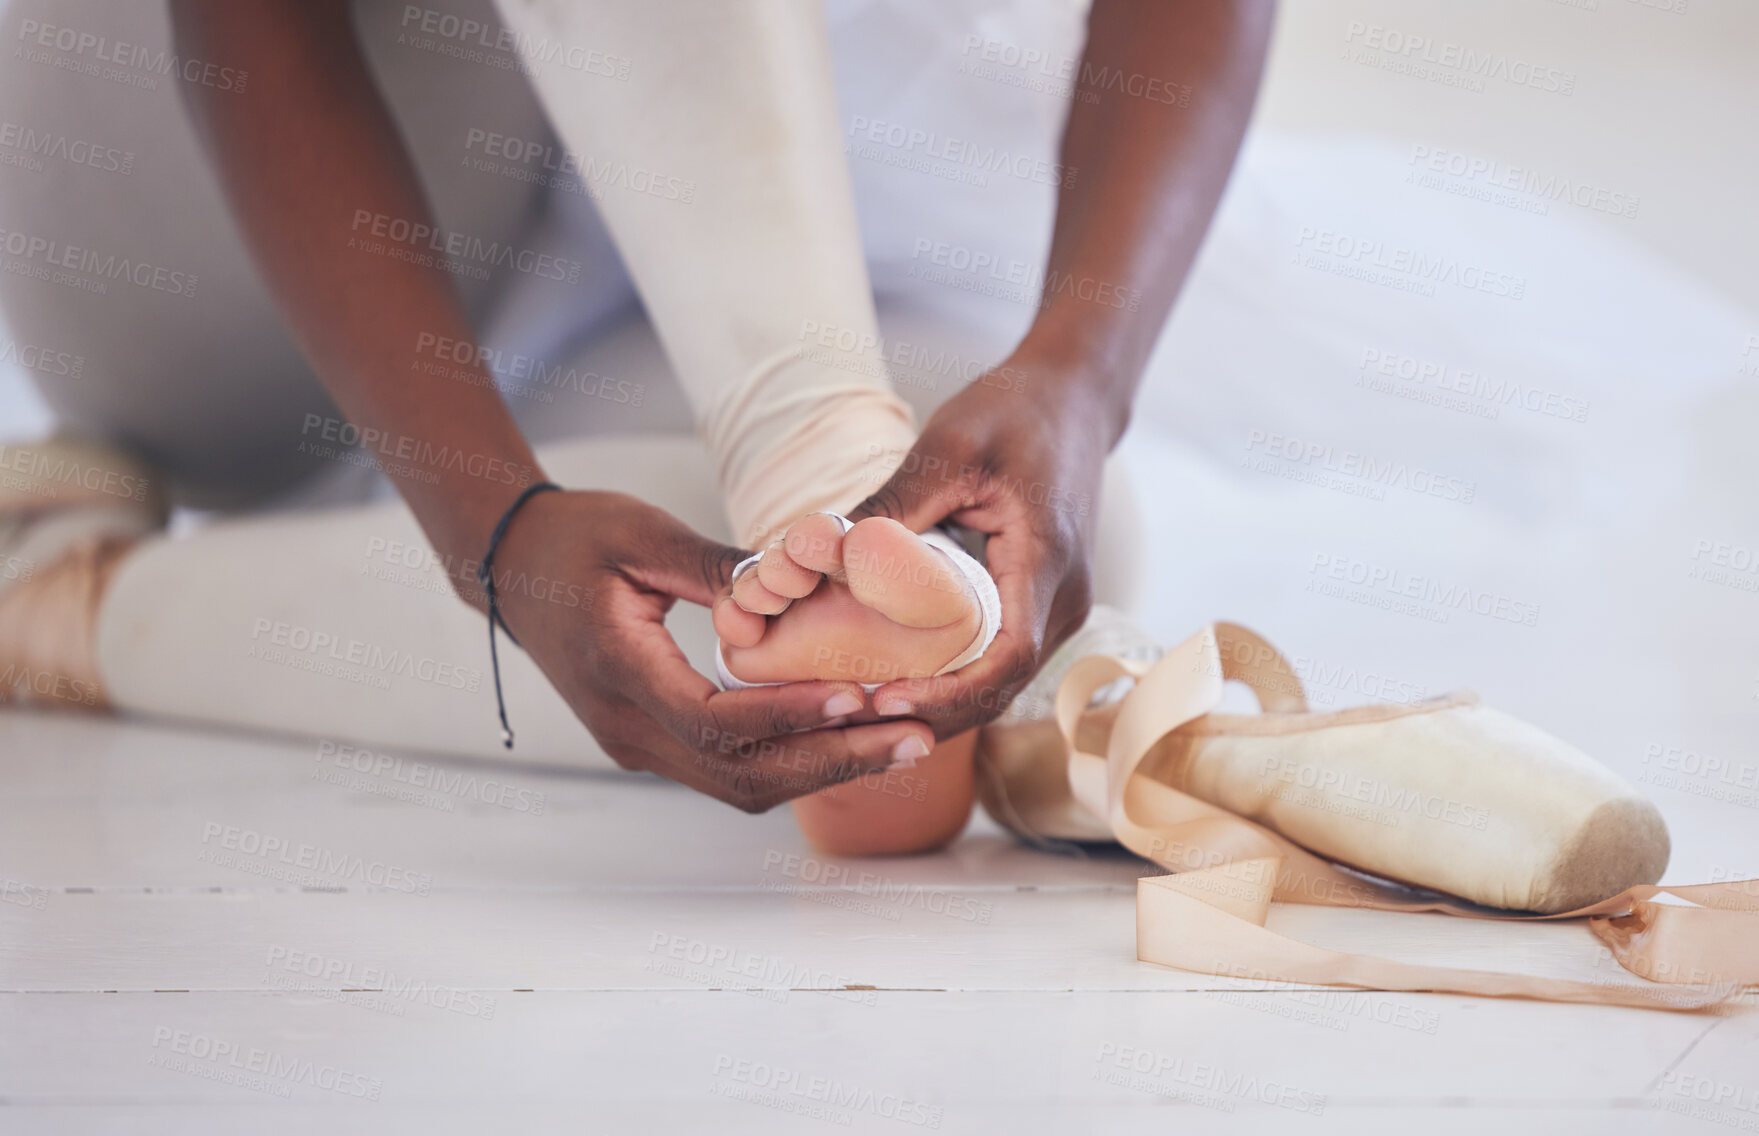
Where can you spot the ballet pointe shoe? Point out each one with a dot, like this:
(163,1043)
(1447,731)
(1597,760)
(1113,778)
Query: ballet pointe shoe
(49,629)
(1447,795)
(70,508)
(57,492)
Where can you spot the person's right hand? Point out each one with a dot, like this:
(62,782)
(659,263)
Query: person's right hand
(611,657)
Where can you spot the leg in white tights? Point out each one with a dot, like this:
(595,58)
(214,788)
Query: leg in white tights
(733,104)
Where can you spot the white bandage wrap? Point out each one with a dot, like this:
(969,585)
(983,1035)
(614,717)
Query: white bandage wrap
(989,600)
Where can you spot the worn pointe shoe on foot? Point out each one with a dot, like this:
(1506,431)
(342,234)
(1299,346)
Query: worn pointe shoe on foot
(69,509)
(1447,794)
(49,629)
(63,490)
(868,602)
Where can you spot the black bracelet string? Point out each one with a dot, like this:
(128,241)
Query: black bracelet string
(485,575)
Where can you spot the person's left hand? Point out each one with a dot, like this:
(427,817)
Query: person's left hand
(1017,455)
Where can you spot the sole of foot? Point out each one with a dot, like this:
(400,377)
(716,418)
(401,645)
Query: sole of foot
(872,605)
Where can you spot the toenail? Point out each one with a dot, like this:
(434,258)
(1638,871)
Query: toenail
(842,703)
(893,706)
(909,750)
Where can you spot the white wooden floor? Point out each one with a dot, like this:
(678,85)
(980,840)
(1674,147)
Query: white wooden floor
(444,964)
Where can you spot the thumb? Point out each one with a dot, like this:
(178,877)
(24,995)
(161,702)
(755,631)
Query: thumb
(687,565)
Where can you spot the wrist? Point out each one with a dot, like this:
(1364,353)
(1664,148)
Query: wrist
(518,559)
(1076,379)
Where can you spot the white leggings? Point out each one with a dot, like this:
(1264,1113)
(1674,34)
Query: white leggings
(340,623)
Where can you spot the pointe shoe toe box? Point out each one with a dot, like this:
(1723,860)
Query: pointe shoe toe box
(1450,795)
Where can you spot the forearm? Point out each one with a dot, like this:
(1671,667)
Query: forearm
(305,153)
(1161,103)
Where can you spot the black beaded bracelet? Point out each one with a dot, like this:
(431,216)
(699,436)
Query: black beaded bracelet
(485,575)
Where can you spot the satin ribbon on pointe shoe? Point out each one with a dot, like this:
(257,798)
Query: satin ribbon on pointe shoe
(1211,920)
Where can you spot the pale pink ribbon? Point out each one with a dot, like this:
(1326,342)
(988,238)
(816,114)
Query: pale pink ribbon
(1211,920)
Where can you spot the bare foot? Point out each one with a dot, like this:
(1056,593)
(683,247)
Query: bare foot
(872,605)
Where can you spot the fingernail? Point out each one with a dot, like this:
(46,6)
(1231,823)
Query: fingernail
(891,706)
(842,703)
(905,753)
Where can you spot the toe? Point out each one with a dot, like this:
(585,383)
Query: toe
(906,579)
(778,572)
(815,543)
(750,594)
(736,626)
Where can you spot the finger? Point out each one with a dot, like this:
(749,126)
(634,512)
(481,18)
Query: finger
(750,593)
(969,697)
(651,671)
(763,773)
(677,561)
(755,775)
(736,626)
